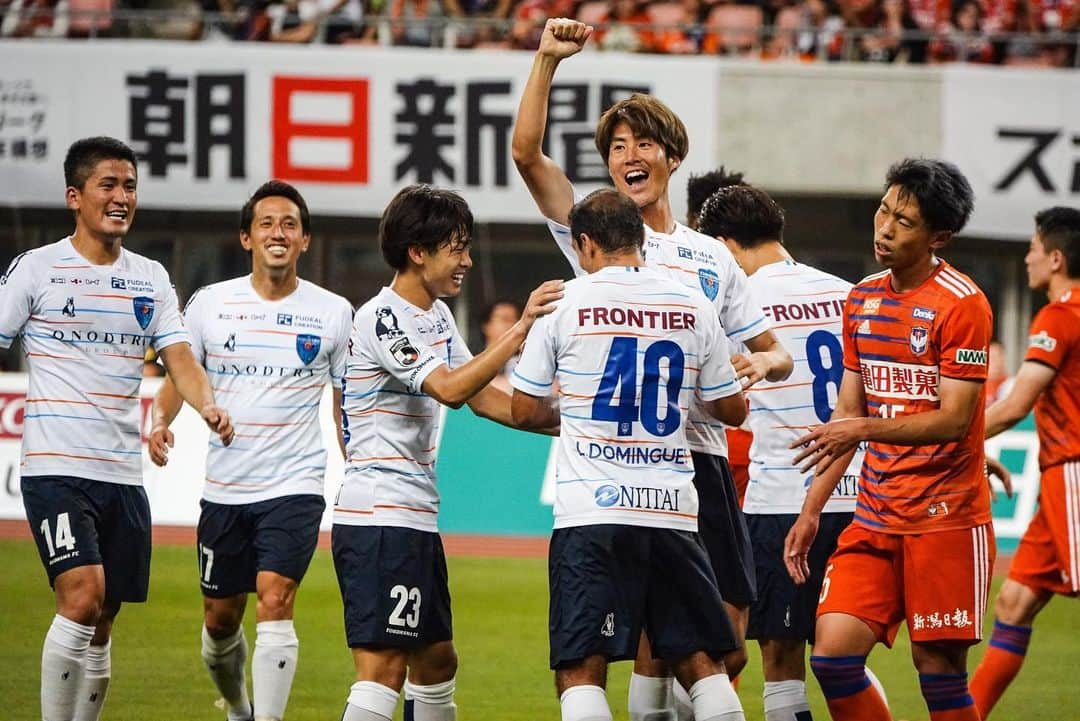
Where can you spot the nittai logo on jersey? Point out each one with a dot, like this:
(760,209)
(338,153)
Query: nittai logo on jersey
(639,497)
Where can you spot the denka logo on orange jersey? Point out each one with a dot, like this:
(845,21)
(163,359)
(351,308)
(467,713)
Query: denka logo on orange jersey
(900,380)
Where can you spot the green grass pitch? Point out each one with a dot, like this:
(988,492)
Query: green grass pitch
(500,613)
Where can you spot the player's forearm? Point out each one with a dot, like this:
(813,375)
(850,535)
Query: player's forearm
(527,141)
(824,484)
(188,377)
(918,429)
(780,363)
(457,386)
(167,404)
(1002,416)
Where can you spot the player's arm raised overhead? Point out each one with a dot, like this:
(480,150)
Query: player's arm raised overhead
(453,387)
(547,182)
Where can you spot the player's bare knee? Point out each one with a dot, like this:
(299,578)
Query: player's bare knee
(938,658)
(80,597)
(691,669)
(222,616)
(783,660)
(1017,604)
(434,664)
(735,661)
(591,671)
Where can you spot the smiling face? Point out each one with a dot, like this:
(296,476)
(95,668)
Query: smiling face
(443,271)
(902,238)
(105,205)
(639,166)
(276,237)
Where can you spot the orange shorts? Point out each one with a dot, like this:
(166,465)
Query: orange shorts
(1048,557)
(937,582)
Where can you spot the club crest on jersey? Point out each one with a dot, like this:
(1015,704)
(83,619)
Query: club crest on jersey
(710,282)
(404,352)
(307,346)
(918,340)
(386,324)
(144,310)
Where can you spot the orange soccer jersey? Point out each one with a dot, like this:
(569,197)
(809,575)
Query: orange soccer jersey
(1055,341)
(902,344)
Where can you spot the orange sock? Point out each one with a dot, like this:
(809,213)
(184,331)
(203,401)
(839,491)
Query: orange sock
(1004,657)
(848,690)
(947,697)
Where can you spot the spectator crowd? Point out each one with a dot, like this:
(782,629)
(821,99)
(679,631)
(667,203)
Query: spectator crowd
(1013,32)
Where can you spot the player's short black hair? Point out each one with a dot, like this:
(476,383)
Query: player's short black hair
(944,195)
(84,155)
(423,216)
(700,187)
(274,189)
(1059,229)
(610,219)
(744,214)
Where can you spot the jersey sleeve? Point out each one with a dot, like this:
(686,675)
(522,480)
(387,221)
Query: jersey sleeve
(739,310)
(169,325)
(565,242)
(400,353)
(16,298)
(535,370)
(716,376)
(459,349)
(964,339)
(339,355)
(195,324)
(1050,336)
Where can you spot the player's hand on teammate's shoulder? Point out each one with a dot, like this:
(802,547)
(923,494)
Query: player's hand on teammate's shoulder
(797,547)
(161,440)
(541,301)
(563,37)
(217,419)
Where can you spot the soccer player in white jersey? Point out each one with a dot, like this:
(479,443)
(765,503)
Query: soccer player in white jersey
(406,358)
(87,310)
(629,347)
(642,143)
(271,342)
(806,307)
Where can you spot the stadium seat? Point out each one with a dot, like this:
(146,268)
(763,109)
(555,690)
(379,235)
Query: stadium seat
(593,12)
(89,17)
(734,29)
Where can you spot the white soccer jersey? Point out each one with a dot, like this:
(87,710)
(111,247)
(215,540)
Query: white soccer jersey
(85,330)
(268,362)
(706,266)
(806,307)
(391,425)
(630,348)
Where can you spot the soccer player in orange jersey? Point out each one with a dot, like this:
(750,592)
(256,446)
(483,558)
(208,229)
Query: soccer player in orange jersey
(1048,559)
(920,547)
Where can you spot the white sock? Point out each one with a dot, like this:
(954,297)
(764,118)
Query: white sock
(430,703)
(370,701)
(715,700)
(584,703)
(95,683)
(785,699)
(63,664)
(650,698)
(684,707)
(224,659)
(273,666)
(877,684)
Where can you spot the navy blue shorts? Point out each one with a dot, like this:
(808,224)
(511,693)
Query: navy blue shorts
(238,541)
(610,582)
(722,527)
(784,610)
(78,522)
(394,584)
